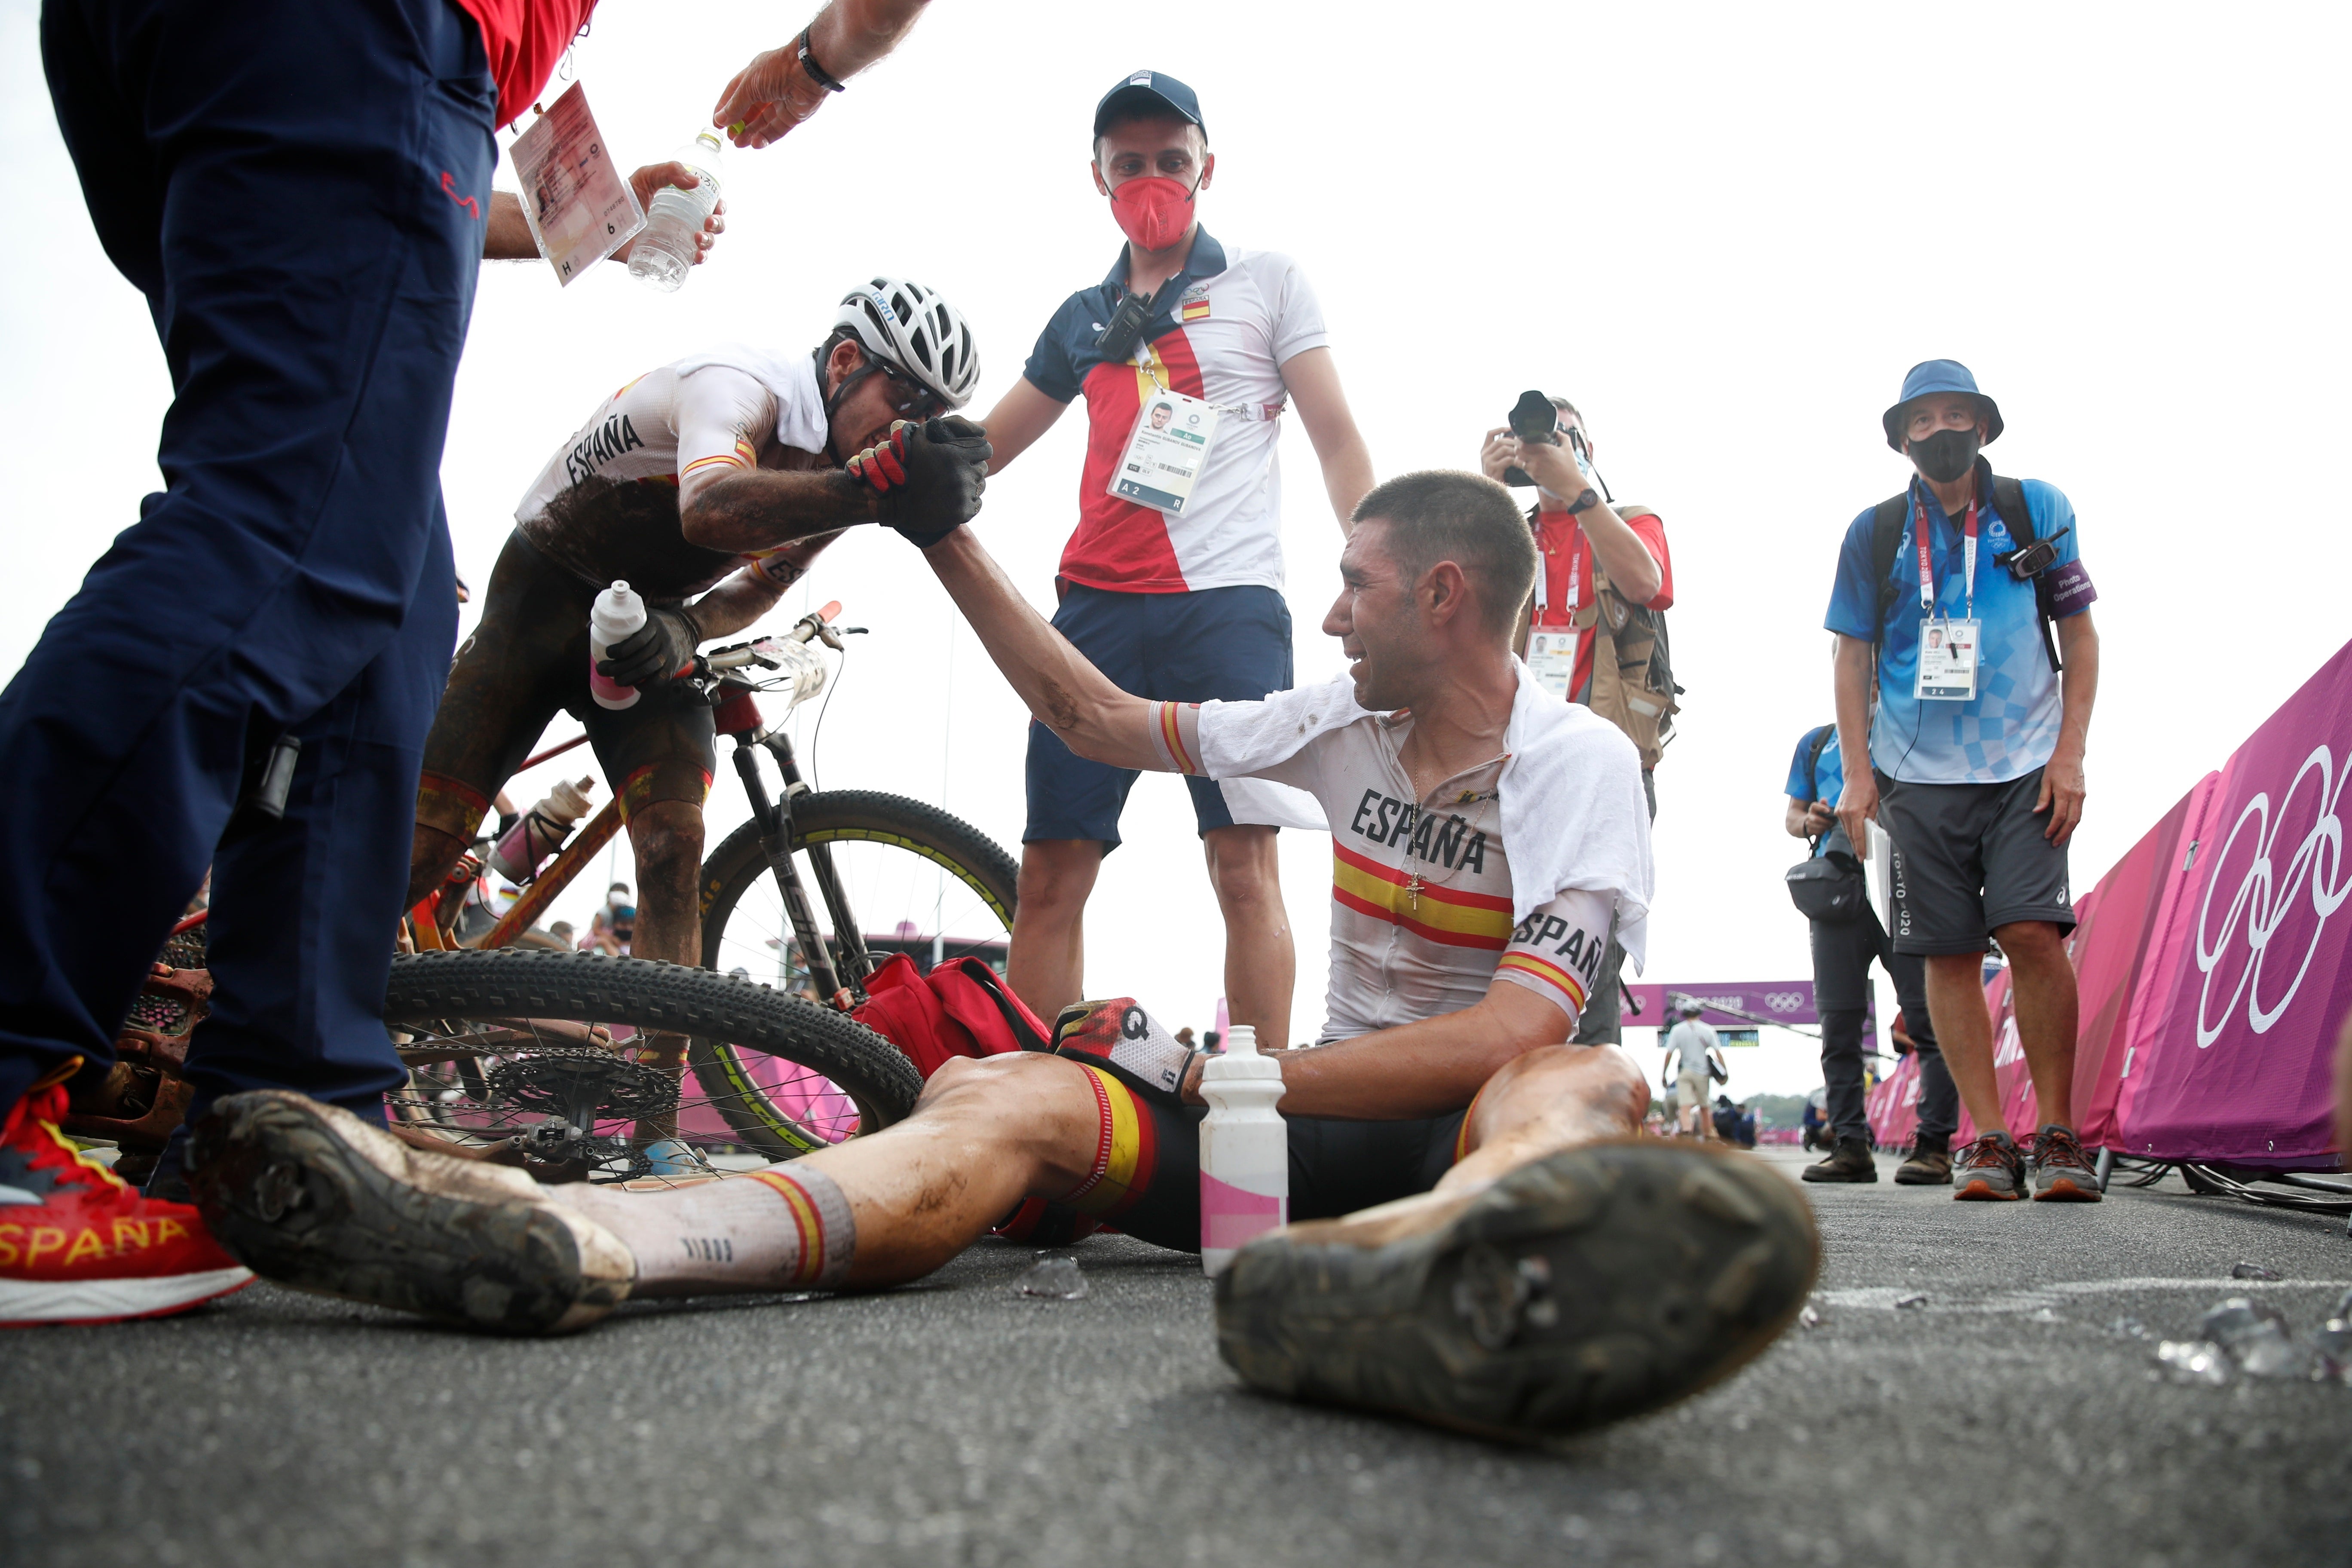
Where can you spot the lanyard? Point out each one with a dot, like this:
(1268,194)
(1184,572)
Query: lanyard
(1575,572)
(1926,560)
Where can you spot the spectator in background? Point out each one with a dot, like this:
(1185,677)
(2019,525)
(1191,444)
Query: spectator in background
(1973,762)
(1593,556)
(1693,1061)
(1842,953)
(561,931)
(614,927)
(1175,596)
(1816,1123)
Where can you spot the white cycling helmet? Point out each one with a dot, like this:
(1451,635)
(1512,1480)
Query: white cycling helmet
(917,333)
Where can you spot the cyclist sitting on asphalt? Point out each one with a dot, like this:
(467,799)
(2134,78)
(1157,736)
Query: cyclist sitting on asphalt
(1558,1271)
(721,475)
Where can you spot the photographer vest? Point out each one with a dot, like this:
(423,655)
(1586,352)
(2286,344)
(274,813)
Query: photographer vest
(1633,681)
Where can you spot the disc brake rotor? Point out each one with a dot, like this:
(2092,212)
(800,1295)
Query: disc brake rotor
(583,1087)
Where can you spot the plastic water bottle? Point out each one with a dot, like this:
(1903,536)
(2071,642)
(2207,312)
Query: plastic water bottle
(666,246)
(1245,1149)
(540,832)
(618,613)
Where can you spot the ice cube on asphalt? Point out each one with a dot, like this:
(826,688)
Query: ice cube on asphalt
(2254,1335)
(1055,1276)
(2193,1361)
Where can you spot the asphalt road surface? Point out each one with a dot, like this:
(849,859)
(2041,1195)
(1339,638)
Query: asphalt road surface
(2000,1422)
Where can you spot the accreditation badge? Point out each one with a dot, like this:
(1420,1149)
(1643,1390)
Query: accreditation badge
(1948,660)
(1167,453)
(1552,655)
(579,206)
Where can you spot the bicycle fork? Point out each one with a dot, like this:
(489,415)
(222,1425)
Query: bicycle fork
(775,820)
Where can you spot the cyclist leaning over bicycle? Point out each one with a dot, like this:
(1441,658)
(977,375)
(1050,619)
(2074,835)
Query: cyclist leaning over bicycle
(708,484)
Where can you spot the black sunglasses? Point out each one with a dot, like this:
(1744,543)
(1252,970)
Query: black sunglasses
(919,402)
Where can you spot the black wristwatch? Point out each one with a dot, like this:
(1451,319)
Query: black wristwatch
(1585,503)
(816,73)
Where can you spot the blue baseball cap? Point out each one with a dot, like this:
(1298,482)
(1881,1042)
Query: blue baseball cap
(1939,375)
(1147,93)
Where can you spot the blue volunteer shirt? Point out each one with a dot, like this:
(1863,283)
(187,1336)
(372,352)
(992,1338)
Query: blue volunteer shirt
(1827,779)
(2011,727)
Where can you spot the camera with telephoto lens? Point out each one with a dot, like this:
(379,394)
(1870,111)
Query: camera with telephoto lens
(1535,418)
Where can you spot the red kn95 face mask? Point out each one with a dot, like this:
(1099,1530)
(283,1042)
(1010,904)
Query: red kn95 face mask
(1153,210)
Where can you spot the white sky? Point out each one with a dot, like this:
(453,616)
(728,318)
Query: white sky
(1725,231)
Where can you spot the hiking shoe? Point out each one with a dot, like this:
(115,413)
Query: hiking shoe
(1988,1167)
(79,1245)
(1929,1164)
(2063,1172)
(1582,1288)
(1848,1161)
(309,1195)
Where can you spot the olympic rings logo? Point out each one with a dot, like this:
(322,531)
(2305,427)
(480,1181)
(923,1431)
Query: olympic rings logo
(2266,897)
(1785,1001)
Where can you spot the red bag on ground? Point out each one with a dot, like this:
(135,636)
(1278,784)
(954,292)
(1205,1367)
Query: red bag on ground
(961,1009)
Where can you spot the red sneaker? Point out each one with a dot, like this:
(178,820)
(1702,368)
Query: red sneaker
(78,1245)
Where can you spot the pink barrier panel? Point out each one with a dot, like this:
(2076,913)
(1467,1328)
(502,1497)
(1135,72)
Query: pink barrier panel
(2214,963)
(2110,946)
(1893,1104)
(2249,971)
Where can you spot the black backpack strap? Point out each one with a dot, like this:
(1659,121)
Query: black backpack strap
(1885,539)
(2008,499)
(1822,739)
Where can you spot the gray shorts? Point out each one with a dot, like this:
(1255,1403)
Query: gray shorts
(1969,860)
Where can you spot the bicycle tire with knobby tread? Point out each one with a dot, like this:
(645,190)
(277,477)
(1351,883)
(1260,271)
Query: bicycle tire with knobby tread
(666,997)
(846,815)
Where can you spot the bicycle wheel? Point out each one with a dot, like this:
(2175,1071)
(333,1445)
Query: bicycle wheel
(539,1052)
(915,880)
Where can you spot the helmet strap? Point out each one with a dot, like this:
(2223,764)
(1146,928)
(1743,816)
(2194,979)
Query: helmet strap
(873,364)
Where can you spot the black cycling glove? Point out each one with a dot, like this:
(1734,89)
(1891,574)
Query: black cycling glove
(929,476)
(660,650)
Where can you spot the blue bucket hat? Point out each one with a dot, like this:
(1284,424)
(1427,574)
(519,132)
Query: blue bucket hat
(1939,375)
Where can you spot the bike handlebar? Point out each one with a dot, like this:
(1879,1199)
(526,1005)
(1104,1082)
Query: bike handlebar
(816,624)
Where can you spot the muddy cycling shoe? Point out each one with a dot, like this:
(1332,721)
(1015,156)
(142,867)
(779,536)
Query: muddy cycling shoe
(1582,1288)
(309,1195)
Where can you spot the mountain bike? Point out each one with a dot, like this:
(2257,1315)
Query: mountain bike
(559,1061)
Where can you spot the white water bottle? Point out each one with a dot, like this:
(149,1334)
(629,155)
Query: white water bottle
(618,613)
(1245,1149)
(540,832)
(666,248)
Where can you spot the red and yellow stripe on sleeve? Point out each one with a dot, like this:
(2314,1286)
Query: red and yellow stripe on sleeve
(1538,973)
(744,456)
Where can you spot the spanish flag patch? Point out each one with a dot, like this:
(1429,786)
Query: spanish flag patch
(1195,309)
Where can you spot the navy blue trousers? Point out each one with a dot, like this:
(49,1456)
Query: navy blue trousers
(298,189)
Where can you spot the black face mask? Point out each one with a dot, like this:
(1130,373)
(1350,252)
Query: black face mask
(1946,455)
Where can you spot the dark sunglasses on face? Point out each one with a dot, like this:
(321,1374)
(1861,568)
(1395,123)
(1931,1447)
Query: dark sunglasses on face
(910,400)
